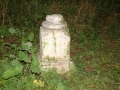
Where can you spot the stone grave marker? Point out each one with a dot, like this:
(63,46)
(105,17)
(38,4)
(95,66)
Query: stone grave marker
(55,44)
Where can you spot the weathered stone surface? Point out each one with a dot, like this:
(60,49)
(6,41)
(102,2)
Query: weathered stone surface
(61,66)
(55,18)
(55,43)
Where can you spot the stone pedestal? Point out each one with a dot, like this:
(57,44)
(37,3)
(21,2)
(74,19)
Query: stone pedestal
(55,44)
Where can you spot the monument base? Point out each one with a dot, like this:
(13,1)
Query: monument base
(61,66)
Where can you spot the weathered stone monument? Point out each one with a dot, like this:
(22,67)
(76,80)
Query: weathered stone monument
(55,44)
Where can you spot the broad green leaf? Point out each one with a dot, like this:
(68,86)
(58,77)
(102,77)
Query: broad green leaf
(12,72)
(30,36)
(15,67)
(35,69)
(23,40)
(14,45)
(12,30)
(27,45)
(35,60)
(35,66)
(5,65)
(17,64)
(23,56)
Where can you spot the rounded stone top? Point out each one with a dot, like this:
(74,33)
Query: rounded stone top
(54,18)
(54,21)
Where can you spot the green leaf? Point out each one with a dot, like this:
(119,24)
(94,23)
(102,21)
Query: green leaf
(15,69)
(30,36)
(12,30)
(10,73)
(23,40)
(23,56)
(17,64)
(35,60)
(1,69)
(35,69)
(13,45)
(5,64)
(27,45)
(35,66)
(3,31)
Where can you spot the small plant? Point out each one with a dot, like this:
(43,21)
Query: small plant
(21,59)
(3,31)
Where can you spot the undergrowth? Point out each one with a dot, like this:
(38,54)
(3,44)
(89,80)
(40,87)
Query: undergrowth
(95,45)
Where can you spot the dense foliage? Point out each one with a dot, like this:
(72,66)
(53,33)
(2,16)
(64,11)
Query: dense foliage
(95,44)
